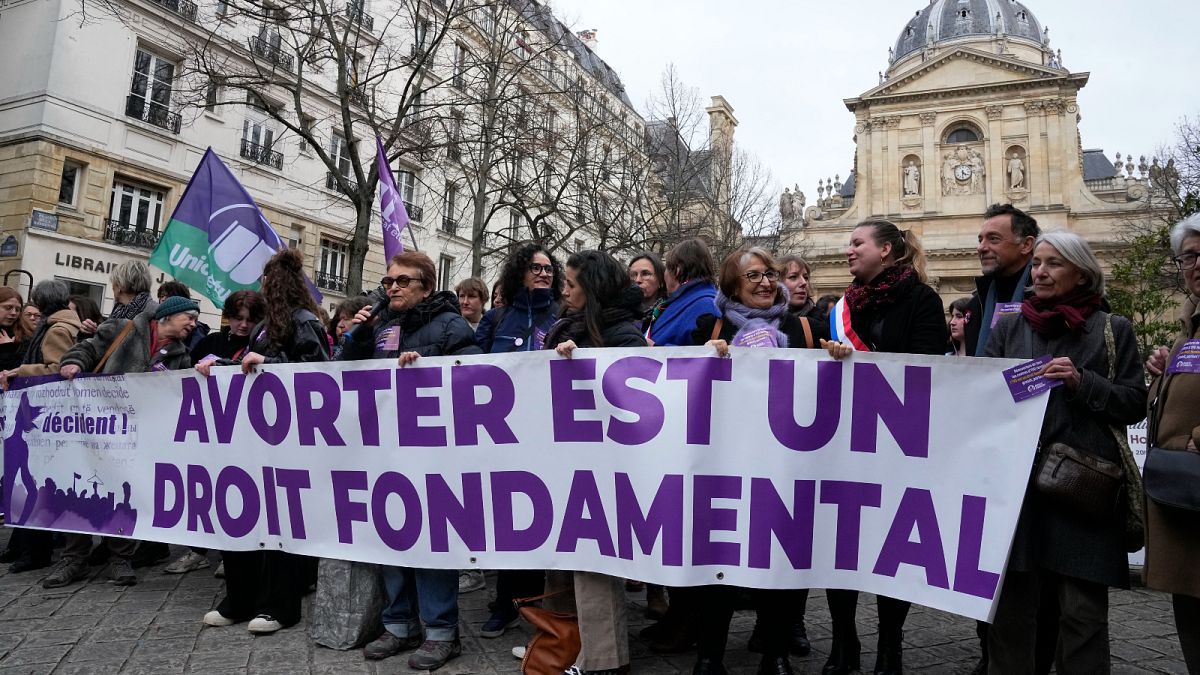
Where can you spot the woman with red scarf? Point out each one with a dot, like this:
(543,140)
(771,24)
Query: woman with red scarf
(1076,556)
(888,308)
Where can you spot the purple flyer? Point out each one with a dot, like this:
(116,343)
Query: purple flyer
(1028,379)
(1187,359)
(1004,309)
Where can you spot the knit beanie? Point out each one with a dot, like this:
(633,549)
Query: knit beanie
(175,305)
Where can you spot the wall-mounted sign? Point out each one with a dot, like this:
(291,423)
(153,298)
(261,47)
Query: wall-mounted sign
(8,248)
(44,220)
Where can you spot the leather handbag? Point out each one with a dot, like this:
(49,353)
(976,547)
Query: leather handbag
(1172,477)
(555,642)
(1078,481)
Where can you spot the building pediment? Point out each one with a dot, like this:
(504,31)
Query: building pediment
(965,71)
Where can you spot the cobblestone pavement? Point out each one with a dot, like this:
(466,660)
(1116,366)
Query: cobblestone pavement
(155,627)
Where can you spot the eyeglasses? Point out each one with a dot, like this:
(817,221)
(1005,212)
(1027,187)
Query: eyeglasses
(402,281)
(754,276)
(537,268)
(1186,261)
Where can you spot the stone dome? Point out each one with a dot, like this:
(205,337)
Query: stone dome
(946,20)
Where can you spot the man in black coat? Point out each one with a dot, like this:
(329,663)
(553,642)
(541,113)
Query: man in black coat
(1006,241)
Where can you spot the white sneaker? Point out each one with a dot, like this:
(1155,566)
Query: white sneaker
(263,624)
(215,618)
(188,562)
(470,581)
(519,652)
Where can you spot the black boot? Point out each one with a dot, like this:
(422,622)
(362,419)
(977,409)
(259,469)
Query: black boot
(889,661)
(843,658)
(799,644)
(9,555)
(775,665)
(705,666)
(27,562)
(150,553)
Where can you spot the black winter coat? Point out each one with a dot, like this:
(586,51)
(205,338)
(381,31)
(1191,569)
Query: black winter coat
(621,333)
(309,342)
(222,344)
(435,327)
(790,326)
(914,324)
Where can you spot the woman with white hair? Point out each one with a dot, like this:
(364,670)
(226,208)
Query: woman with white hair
(131,290)
(1067,546)
(1172,529)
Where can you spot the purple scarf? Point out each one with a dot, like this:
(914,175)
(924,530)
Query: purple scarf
(748,320)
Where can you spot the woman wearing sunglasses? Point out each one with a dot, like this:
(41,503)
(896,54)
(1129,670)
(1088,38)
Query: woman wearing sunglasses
(418,321)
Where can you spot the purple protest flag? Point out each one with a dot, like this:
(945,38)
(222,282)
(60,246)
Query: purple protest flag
(217,239)
(391,205)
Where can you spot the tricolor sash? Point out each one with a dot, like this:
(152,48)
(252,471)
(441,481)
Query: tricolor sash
(840,328)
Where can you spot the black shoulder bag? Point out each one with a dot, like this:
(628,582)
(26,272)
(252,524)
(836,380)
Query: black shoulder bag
(1172,477)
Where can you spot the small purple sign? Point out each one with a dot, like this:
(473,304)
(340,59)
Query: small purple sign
(758,337)
(1005,309)
(1028,379)
(1187,359)
(388,340)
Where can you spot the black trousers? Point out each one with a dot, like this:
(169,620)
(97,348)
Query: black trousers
(516,584)
(37,544)
(1082,645)
(266,582)
(777,611)
(1187,623)
(843,607)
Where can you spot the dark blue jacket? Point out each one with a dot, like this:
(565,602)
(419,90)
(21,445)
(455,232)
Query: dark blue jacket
(689,302)
(432,328)
(501,328)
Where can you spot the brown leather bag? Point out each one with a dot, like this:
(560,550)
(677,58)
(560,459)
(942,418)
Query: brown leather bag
(1080,482)
(555,644)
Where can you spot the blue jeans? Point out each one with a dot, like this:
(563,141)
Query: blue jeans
(418,596)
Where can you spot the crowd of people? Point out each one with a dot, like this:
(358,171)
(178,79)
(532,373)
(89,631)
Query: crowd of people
(1038,295)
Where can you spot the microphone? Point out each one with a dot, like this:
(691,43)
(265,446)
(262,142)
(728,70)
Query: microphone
(381,300)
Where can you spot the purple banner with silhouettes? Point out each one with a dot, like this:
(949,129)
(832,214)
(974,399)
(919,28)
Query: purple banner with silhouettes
(774,468)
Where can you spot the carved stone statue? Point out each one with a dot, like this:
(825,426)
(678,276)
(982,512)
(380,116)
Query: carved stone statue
(963,172)
(912,180)
(786,213)
(798,202)
(1016,173)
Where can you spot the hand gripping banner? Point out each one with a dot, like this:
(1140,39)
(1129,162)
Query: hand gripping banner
(775,468)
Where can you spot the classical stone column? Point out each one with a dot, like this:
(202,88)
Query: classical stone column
(1035,161)
(996,178)
(878,164)
(1056,176)
(931,184)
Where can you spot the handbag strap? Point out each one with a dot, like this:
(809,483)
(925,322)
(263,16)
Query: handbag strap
(808,334)
(113,347)
(717,328)
(538,598)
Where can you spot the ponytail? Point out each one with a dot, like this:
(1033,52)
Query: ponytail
(906,246)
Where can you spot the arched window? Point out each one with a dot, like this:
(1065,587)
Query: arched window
(962,135)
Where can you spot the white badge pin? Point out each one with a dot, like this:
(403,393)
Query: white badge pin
(518,342)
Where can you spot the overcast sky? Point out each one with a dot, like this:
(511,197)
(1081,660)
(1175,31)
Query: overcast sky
(786,65)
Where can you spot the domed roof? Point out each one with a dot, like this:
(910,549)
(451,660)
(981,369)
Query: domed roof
(944,20)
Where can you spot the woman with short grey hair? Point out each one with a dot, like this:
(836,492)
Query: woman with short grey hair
(131,290)
(1068,549)
(1172,535)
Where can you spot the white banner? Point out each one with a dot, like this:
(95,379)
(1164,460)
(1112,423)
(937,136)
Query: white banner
(893,474)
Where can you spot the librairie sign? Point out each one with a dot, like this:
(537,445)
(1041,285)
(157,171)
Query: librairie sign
(900,475)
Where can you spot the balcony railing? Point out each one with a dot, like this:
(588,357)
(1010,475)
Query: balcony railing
(358,95)
(263,49)
(184,8)
(414,212)
(331,183)
(449,225)
(152,113)
(356,12)
(128,234)
(330,282)
(261,154)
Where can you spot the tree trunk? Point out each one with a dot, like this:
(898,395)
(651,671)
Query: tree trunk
(358,248)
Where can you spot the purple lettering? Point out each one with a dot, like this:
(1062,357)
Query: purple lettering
(505,486)
(850,498)
(908,420)
(770,520)
(410,408)
(664,518)
(700,374)
(781,405)
(565,400)
(968,578)
(191,412)
(916,509)
(167,475)
(707,519)
(311,419)
(470,414)
(225,414)
(199,498)
(584,517)
(292,481)
(645,405)
(236,477)
(445,511)
(269,384)
(345,511)
(393,483)
(271,500)
(365,383)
